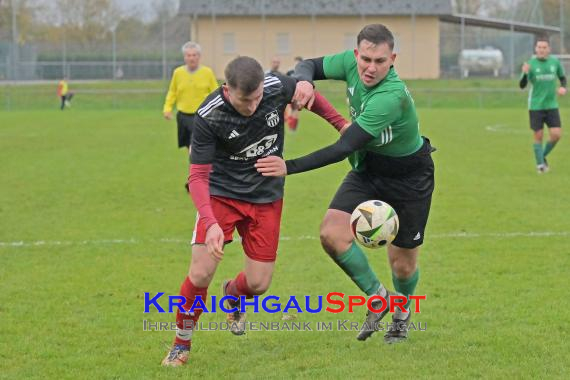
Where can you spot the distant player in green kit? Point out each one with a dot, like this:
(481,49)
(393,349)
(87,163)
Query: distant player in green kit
(542,70)
(390,161)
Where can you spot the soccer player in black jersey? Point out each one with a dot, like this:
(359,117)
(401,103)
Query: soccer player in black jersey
(235,126)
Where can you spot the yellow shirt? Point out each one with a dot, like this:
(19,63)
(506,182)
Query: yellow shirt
(188,90)
(62,88)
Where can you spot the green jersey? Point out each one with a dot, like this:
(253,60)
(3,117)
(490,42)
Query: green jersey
(386,111)
(543,75)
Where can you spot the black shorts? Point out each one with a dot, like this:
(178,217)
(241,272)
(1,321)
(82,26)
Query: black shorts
(406,183)
(549,117)
(185,125)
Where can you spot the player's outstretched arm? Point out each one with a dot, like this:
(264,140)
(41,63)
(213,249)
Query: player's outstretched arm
(354,139)
(323,108)
(306,72)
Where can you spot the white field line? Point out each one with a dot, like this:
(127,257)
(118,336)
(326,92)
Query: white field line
(505,128)
(449,235)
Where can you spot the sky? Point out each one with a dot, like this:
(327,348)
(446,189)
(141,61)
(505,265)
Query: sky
(147,8)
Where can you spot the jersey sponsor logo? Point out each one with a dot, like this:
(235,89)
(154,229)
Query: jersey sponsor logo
(546,77)
(272,118)
(258,148)
(233,135)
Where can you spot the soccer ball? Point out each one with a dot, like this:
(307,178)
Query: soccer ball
(374,223)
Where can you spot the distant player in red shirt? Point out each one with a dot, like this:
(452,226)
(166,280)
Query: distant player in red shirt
(235,126)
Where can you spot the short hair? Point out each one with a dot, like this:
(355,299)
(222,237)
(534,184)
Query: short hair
(244,73)
(191,45)
(377,34)
(542,39)
(298,58)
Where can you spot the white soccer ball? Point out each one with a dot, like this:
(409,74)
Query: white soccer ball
(374,223)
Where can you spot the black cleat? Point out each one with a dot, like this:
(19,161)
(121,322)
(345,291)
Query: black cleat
(398,331)
(370,326)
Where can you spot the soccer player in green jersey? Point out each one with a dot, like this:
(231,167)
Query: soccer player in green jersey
(541,71)
(390,161)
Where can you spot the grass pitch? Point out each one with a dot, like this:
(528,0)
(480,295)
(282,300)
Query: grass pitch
(93,214)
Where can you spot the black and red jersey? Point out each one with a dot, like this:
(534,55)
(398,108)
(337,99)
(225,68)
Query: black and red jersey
(232,143)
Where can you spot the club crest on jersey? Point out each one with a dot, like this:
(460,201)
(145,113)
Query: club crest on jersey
(272,118)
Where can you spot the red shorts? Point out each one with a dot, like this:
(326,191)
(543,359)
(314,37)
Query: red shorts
(258,225)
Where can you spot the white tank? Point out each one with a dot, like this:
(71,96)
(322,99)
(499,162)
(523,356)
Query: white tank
(488,60)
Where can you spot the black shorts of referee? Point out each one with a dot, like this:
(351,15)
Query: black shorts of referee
(185,125)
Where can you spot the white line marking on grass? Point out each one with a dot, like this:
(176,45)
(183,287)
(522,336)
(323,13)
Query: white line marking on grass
(458,235)
(504,128)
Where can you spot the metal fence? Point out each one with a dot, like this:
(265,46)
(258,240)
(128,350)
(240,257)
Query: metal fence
(89,70)
(153,49)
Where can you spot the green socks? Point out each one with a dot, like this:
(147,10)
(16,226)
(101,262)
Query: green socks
(406,286)
(355,264)
(538,153)
(548,147)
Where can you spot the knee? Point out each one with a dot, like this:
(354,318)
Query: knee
(258,286)
(200,278)
(329,241)
(404,268)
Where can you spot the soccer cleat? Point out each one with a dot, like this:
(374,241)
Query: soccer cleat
(546,167)
(177,356)
(237,318)
(541,168)
(370,326)
(398,331)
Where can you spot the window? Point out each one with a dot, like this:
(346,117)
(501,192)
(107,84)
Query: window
(229,43)
(282,43)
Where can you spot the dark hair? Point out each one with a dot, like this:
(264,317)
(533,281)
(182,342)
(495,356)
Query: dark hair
(244,74)
(298,58)
(377,34)
(542,39)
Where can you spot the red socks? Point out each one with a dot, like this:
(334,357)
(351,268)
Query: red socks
(238,287)
(185,321)
(292,123)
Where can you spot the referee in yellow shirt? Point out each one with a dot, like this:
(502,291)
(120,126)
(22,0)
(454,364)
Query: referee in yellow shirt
(190,85)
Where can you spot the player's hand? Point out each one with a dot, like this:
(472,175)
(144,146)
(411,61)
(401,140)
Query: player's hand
(215,242)
(304,95)
(343,129)
(271,166)
(562,91)
(525,68)
(167,115)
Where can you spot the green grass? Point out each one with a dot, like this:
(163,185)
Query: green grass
(95,197)
(120,95)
